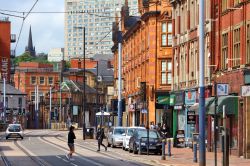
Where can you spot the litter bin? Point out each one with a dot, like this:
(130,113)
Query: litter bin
(89,133)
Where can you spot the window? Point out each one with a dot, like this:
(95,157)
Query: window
(248,45)
(236,2)
(166,72)
(166,36)
(224,52)
(224,5)
(20,101)
(42,80)
(33,80)
(236,48)
(50,80)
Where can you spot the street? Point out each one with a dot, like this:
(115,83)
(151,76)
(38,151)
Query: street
(48,148)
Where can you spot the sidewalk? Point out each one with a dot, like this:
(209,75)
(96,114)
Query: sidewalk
(184,157)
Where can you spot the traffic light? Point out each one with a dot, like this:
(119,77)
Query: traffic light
(143,91)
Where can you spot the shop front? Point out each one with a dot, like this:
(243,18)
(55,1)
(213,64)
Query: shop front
(163,111)
(190,100)
(179,120)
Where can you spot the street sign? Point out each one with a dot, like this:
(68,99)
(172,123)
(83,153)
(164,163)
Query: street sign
(222,89)
(191,119)
(144,111)
(245,90)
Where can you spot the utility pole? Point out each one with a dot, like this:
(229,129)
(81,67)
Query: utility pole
(215,123)
(97,70)
(119,76)
(50,104)
(84,82)
(202,128)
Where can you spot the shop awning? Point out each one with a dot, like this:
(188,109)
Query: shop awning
(195,107)
(231,103)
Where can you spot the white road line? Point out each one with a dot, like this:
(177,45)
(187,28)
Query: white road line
(29,138)
(83,158)
(65,160)
(73,164)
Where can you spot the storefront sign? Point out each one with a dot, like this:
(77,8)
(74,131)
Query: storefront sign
(178,107)
(191,119)
(245,90)
(144,111)
(180,136)
(163,100)
(222,89)
(190,97)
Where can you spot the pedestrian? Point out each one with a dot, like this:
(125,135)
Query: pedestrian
(100,136)
(152,126)
(71,137)
(158,127)
(164,131)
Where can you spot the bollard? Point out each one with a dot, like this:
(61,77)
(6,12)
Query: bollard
(139,147)
(169,147)
(163,157)
(195,152)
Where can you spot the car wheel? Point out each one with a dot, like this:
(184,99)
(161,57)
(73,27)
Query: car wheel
(123,148)
(21,137)
(6,138)
(130,150)
(134,150)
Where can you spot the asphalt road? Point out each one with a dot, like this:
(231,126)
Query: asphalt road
(48,148)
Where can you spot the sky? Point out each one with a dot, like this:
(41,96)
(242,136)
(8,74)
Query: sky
(47,29)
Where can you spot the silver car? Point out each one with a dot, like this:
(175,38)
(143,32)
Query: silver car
(14,131)
(115,136)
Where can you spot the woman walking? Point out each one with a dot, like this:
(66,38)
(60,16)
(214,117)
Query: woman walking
(71,137)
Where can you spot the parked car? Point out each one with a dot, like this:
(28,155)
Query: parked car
(155,141)
(129,132)
(14,131)
(115,136)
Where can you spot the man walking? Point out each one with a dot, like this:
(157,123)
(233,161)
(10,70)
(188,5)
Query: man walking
(100,136)
(71,137)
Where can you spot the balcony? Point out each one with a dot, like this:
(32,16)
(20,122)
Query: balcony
(12,54)
(13,38)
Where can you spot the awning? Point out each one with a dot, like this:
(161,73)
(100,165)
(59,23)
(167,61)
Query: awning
(230,102)
(195,107)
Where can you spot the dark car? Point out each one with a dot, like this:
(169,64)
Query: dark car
(155,141)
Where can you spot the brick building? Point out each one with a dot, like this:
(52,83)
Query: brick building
(146,60)
(6,38)
(232,60)
(27,76)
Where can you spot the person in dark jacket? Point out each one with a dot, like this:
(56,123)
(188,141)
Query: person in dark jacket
(100,136)
(71,137)
(164,131)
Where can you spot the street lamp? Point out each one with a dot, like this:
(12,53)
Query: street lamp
(84,101)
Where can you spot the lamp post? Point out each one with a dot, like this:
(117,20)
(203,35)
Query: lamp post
(84,97)
(202,128)
(50,104)
(4,99)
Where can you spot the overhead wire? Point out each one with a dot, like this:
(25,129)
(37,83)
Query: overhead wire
(21,28)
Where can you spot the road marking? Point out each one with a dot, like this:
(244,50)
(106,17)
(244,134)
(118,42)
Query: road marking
(83,158)
(73,164)
(62,159)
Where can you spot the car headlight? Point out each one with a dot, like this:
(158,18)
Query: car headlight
(159,144)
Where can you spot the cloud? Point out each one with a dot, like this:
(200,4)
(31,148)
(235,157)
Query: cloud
(47,28)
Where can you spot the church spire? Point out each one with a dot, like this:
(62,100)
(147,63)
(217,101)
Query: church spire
(30,47)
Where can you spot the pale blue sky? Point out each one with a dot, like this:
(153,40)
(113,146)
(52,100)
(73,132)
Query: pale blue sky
(47,29)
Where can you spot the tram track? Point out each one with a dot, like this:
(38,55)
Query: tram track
(112,155)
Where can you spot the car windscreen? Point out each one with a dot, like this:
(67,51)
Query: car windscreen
(119,131)
(15,128)
(130,132)
(143,133)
